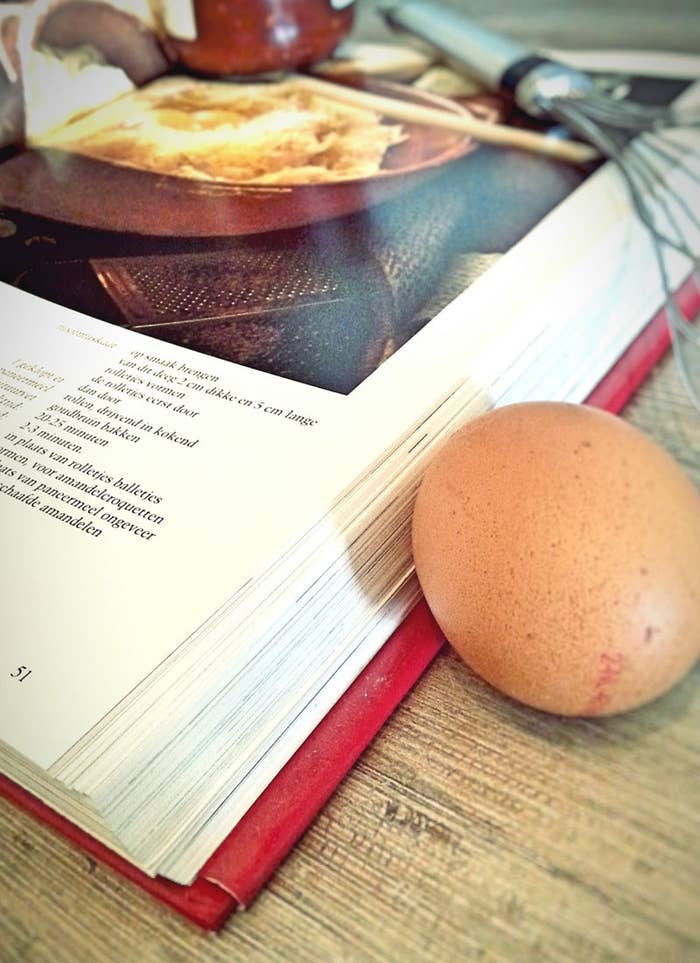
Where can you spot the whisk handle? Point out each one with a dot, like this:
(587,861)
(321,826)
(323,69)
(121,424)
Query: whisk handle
(499,62)
(487,54)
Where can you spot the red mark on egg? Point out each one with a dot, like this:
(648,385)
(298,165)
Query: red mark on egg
(609,669)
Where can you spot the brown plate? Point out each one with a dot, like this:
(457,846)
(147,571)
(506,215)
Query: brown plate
(67,187)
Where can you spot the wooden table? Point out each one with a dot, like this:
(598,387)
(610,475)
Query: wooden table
(472,829)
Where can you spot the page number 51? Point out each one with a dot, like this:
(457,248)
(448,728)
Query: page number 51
(20,673)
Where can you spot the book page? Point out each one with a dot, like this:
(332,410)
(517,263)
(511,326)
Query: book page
(259,351)
(140,484)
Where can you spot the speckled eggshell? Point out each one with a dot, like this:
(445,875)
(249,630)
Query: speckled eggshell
(559,550)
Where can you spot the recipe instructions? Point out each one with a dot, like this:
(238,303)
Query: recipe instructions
(53,460)
(141,485)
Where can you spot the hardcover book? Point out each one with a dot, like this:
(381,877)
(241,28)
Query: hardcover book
(237,324)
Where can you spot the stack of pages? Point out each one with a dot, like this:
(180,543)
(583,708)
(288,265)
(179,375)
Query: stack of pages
(200,556)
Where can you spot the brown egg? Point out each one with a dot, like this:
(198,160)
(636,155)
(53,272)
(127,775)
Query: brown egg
(559,550)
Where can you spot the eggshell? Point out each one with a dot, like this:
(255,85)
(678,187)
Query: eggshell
(559,550)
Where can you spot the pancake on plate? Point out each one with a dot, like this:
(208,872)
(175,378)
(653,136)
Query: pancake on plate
(257,133)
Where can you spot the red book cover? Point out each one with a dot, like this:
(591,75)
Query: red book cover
(239,868)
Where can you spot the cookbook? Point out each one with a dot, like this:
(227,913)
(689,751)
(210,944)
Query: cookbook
(225,363)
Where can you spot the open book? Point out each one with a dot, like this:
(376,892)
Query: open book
(217,399)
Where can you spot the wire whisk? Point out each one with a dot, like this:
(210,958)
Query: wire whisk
(656,149)
(646,161)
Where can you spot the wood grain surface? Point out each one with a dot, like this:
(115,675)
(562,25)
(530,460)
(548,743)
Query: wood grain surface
(472,829)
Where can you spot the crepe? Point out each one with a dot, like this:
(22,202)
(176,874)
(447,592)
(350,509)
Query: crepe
(258,133)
